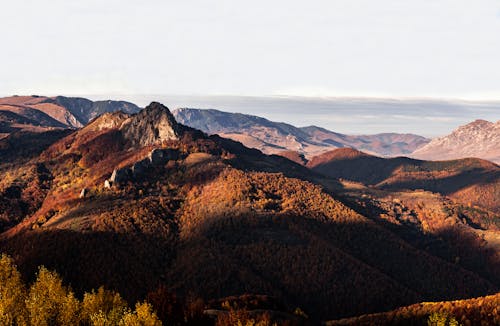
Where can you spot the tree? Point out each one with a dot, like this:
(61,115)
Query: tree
(103,307)
(12,294)
(442,319)
(49,302)
(142,316)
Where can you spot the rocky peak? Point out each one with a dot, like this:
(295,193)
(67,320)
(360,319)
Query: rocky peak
(476,125)
(108,121)
(479,138)
(152,125)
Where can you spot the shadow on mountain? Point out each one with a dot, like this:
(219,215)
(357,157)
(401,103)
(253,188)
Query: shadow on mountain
(329,269)
(454,244)
(478,177)
(131,264)
(450,184)
(22,146)
(367,169)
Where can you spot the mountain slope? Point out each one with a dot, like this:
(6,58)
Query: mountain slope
(477,311)
(472,181)
(42,113)
(213,219)
(477,139)
(385,144)
(275,137)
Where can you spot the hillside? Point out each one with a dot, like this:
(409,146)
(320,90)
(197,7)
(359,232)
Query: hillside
(275,137)
(479,138)
(41,113)
(477,311)
(384,144)
(471,181)
(138,202)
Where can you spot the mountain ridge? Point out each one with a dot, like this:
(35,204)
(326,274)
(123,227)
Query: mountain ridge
(216,219)
(47,113)
(274,137)
(479,138)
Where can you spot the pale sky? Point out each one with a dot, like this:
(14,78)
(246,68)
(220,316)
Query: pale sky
(386,48)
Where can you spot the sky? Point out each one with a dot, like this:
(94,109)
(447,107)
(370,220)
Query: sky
(440,49)
(361,116)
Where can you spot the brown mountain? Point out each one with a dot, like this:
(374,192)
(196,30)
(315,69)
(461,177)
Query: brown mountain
(472,181)
(41,113)
(479,138)
(138,201)
(276,137)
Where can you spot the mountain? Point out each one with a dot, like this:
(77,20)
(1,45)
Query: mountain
(275,137)
(472,181)
(479,138)
(451,200)
(385,144)
(40,113)
(138,203)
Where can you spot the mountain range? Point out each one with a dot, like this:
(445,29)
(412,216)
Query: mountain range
(41,113)
(141,204)
(275,137)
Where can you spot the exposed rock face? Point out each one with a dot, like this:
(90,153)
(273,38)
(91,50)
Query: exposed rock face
(83,193)
(157,157)
(162,156)
(120,175)
(141,167)
(108,121)
(152,125)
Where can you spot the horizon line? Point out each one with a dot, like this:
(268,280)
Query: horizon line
(277,96)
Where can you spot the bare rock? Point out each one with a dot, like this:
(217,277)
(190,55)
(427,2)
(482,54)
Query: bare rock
(159,156)
(83,193)
(152,125)
(120,176)
(141,167)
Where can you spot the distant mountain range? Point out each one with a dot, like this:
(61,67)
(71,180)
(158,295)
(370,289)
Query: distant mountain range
(138,203)
(41,113)
(477,139)
(276,137)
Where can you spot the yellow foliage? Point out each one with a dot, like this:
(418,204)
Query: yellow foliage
(103,307)
(142,316)
(49,302)
(12,293)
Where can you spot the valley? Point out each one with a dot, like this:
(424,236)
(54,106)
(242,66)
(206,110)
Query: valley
(200,216)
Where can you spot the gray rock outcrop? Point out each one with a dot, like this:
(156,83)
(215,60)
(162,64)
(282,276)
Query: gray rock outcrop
(160,156)
(141,167)
(152,125)
(120,176)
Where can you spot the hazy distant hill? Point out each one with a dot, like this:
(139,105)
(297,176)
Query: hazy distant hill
(477,139)
(40,113)
(275,137)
